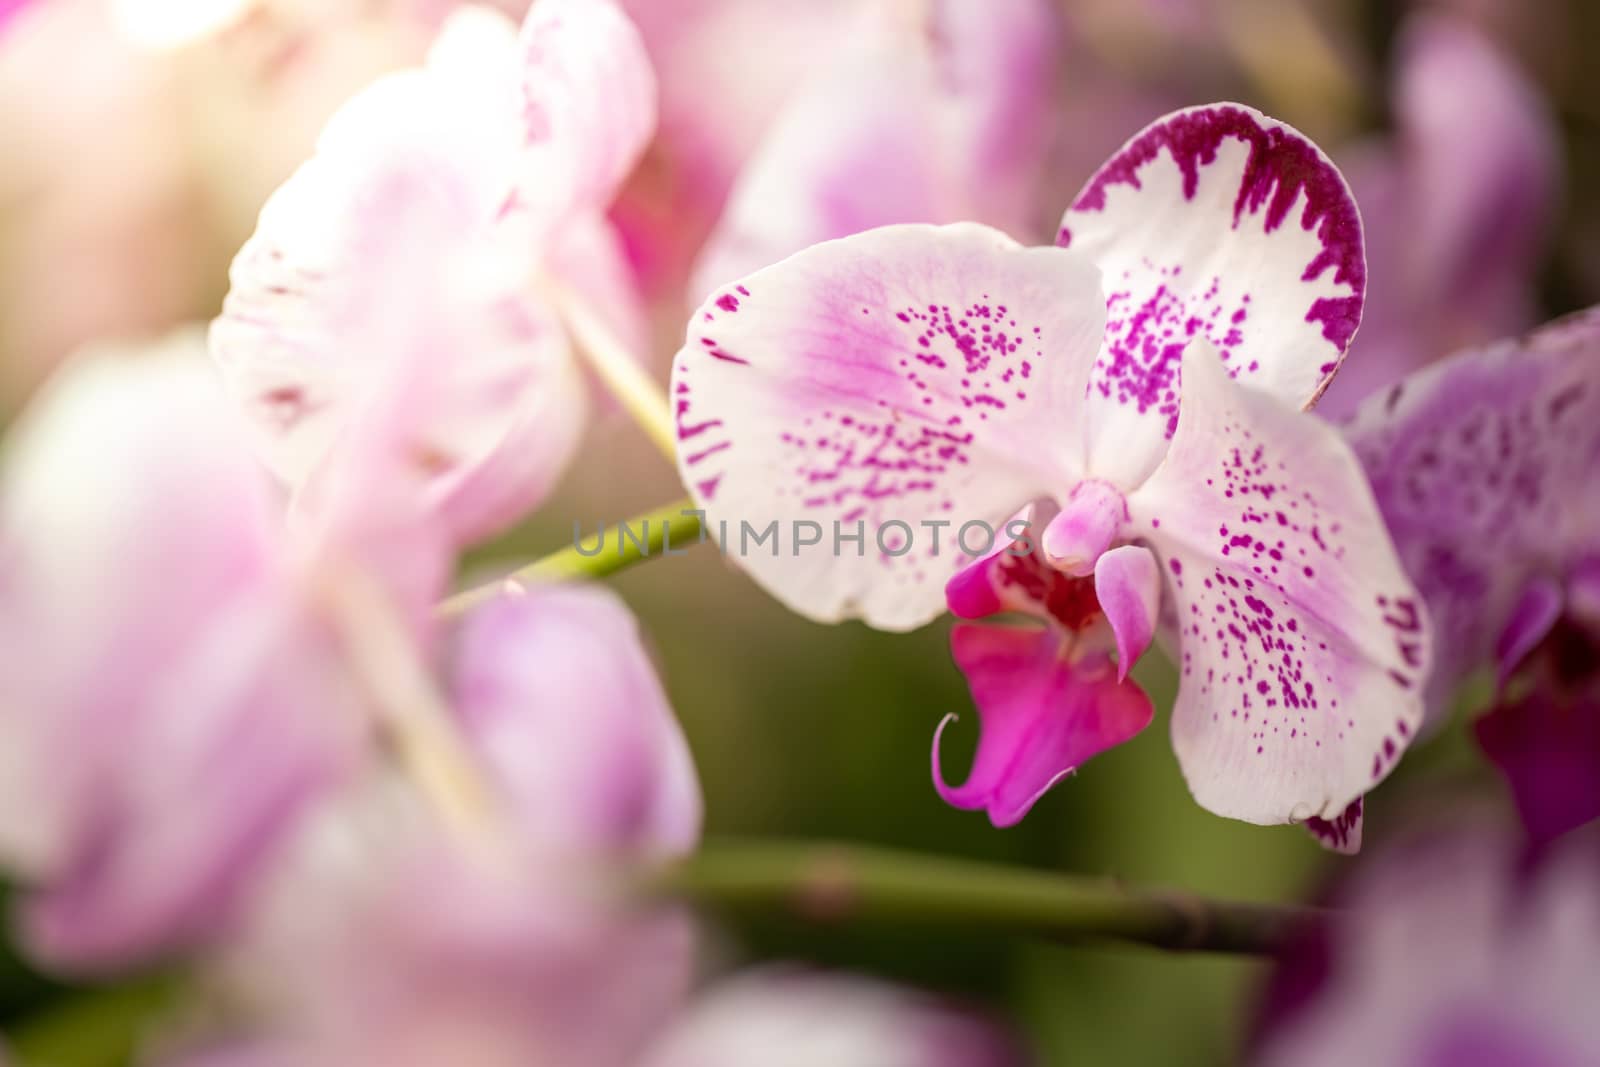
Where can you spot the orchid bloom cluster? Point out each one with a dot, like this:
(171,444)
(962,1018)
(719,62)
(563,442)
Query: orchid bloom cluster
(181,628)
(498,158)
(245,733)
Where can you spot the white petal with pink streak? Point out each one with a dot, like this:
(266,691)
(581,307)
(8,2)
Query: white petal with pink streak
(909,373)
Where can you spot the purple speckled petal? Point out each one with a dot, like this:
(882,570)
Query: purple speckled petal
(1302,643)
(1484,466)
(1042,716)
(1127,584)
(1221,223)
(909,374)
(587,107)
(1341,834)
(939,118)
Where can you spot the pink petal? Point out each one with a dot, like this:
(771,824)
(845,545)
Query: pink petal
(1221,223)
(558,694)
(396,212)
(532,962)
(1486,154)
(834,1019)
(109,508)
(1084,528)
(1127,583)
(155,651)
(942,120)
(1449,948)
(748,56)
(258,722)
(588,104)
(1015,577)
(1303,645)
(1042,717)
(1458,206)
(10,9)
(1484,466)
(980,589)
(910,374)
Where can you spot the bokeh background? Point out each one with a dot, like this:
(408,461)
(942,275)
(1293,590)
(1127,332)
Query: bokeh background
(131,170)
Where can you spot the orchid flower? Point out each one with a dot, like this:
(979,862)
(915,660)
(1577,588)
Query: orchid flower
(928,113)
(175,699)
(1138,385)
(462,200)
(534,960)
(1484,467)
(785,1017)
(1458,205)
(1450,950)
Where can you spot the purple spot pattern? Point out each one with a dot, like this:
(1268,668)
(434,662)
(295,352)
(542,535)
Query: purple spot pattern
(1484,466)
(1146,333)
(959,363)
(1254,648)
(1149,327)
(1341,833)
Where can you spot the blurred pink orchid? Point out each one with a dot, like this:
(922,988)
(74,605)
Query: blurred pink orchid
(746,56)
(1449,950)
(918,375)
(554,688)
(926,113)
(435,232)
(435,956)
(175,699)
(535,959)
(783,1017)
(1484,467)
(1458,206)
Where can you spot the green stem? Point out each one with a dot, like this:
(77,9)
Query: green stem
(95,1028)
(668,530)
(821,882)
